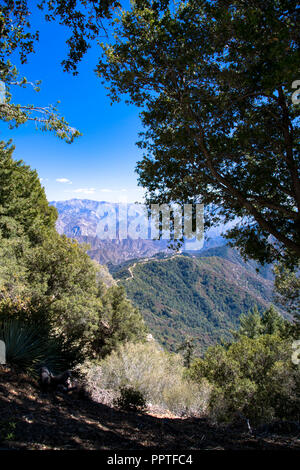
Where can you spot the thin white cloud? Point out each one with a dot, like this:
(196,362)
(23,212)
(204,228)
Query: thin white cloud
(105,190)
(85,190)
(63,180)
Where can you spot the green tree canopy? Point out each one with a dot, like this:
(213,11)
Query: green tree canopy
(253,378)
(50,280)
(287,286)
(254,324)
(251,324)
(214,80)
(120,322)
(23,203)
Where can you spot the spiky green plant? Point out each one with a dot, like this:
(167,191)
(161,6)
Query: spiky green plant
(31,346)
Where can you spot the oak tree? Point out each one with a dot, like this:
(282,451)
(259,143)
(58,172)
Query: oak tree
(214,81)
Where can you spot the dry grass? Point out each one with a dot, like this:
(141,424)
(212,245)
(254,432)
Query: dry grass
(155,373)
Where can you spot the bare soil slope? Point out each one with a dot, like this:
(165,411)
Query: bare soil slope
(30,419)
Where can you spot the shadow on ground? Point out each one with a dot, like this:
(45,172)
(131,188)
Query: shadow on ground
(30,419)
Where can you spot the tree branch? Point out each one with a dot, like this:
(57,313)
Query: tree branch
(288,137)
(225,184)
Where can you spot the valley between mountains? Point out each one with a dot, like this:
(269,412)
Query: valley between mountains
(198,294)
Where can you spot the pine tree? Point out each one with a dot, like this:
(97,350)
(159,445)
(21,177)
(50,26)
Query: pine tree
(272,321)
(251,324)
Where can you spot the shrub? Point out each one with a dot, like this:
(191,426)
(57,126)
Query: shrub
(7,430)
(253,377)
(130,399)
(158,375)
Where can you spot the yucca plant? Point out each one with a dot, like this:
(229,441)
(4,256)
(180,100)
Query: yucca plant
(31,346)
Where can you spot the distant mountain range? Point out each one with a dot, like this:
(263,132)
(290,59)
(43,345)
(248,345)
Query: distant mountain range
(200,293)
(80,218)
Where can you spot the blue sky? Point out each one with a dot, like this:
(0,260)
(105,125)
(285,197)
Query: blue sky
(100,164)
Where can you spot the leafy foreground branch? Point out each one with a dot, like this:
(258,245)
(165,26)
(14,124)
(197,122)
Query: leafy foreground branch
(17,37)
(45,118)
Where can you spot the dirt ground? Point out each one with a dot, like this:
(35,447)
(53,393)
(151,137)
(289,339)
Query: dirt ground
(30,419)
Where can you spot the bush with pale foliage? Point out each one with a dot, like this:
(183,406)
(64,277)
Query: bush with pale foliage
(158,375)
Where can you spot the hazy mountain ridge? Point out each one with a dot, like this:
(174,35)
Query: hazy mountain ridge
(78,219)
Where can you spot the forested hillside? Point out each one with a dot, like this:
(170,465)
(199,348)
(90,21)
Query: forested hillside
(231,254)
(200,297)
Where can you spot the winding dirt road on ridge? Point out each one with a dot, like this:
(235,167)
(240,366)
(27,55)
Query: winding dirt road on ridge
(131,268)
